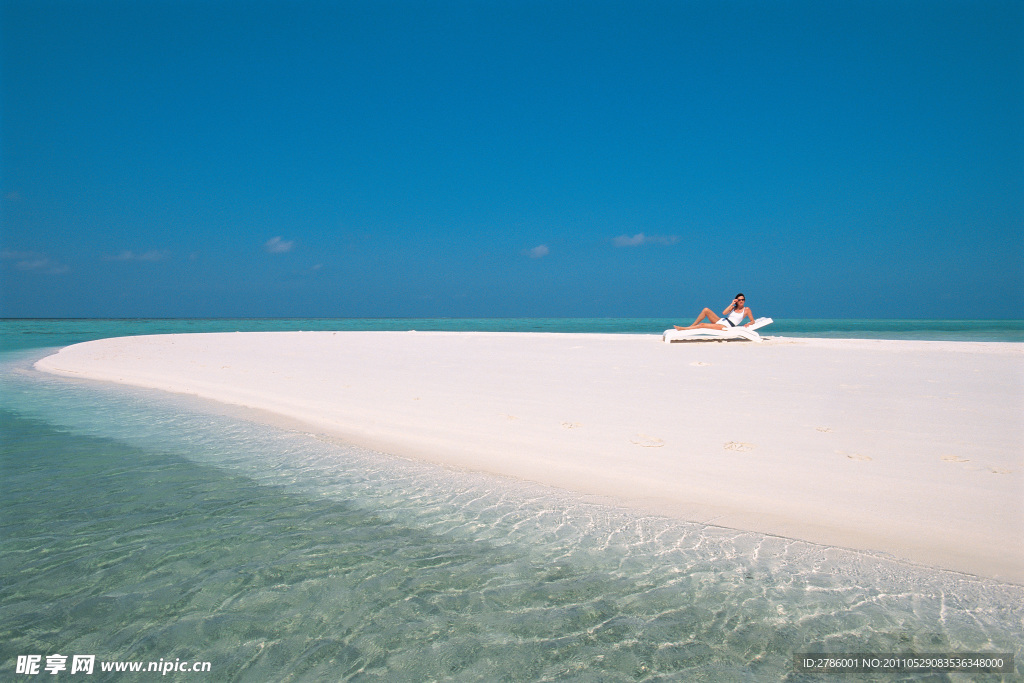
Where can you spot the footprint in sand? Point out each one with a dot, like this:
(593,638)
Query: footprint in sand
(738,446)
(571,425)
(824,430)
(509,417)
(954,458)
(700,364)
(999,470)
(855,456)
(647,441)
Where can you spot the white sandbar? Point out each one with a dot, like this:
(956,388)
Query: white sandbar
(910,448)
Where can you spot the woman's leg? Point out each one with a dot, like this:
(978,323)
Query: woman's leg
(712,319)
(706,313)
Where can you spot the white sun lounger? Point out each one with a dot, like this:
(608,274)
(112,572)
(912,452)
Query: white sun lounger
(728,334)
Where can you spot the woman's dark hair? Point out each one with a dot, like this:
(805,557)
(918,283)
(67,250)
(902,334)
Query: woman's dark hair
(739,295)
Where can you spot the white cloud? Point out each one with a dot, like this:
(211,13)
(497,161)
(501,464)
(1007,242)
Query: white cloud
(640,238)
(539,251)
(626,241)
(31,261)
(129,255)
(276,245)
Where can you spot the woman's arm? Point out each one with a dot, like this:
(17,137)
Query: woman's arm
(729,308)
(750,313)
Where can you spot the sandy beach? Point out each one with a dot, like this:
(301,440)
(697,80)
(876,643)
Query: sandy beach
(915,449)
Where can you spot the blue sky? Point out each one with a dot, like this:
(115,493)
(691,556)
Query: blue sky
(301,158)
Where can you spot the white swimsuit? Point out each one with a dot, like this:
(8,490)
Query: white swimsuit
(735,318)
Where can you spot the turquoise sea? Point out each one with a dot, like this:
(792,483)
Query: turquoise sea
(31,333)
(139,526)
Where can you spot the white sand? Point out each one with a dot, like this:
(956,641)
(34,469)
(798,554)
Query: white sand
(910,448)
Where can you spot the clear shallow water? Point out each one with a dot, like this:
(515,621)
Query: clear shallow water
(140,526)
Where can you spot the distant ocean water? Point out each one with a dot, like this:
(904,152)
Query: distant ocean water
(139,526)
(31,333)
